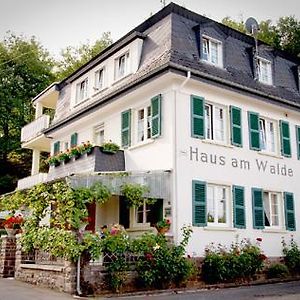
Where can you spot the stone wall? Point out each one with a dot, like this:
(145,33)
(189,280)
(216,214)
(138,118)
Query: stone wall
(7,256)
(61,276)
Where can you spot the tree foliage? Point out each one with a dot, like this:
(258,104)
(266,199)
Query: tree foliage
(25,70)
(284,35)
(74,57)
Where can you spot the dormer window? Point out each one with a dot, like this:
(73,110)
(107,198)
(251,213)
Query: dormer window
(99,79)
(121,66)
(212,51)
(82,90)
(264,71)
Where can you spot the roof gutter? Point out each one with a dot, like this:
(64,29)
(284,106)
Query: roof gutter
(234,85)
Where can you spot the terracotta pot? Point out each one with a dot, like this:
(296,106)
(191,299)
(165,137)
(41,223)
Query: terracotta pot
(163,230)
(11,232)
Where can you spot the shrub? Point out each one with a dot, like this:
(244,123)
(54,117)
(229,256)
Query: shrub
(242,260)
(291,254)
(277,270)
(159,263)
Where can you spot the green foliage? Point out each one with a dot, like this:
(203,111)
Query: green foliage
(116,245)
(74,57)
(110,147)
(161,263)
(277,270)
(25,70)
(291,254)
(284,35)
(241,261)
(134,194)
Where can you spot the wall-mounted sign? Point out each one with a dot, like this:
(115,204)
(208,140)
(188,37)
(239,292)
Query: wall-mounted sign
(261,165)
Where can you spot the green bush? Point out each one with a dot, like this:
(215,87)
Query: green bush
(277,270)
(160,263)
(241,261)
(291,254)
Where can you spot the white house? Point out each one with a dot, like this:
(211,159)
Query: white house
(211,124)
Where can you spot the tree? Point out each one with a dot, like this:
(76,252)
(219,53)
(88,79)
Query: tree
(75,57)
(285,35)
(25,70)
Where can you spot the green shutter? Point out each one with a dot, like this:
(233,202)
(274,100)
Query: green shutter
(74,138)
(285,138)
(156,116)
(298,141)
(239,207)
(199,203)
(197,116)
(126,128)
(289,211)
(236,126)
(253,121)
(56,147)
(258,208)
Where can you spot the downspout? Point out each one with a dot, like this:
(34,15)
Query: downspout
(175,189)
(78,289)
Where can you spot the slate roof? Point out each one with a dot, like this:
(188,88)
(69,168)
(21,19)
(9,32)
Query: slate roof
(171,43)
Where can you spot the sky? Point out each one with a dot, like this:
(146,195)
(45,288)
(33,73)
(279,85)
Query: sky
(61,23)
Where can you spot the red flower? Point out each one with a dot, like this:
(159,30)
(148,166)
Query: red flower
(149,256)
(13,222)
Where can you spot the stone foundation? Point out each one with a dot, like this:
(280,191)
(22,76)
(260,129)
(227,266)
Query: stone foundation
(61,276)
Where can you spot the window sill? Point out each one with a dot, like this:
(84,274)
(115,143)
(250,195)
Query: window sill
(117,80)
(81,102)
(275,230)
(212,64)
(216,228)
(99,91)
(212,142)
(270,154)
(139,145)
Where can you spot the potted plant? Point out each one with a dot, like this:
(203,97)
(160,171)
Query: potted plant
(13,224)
(64,156)
(53,161)
(87,147)
(109,147)
(163,226)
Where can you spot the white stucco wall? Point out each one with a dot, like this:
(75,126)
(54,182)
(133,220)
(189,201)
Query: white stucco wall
(224,173)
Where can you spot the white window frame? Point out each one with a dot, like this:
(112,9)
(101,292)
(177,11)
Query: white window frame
(97,85)
(268,144)
(145,210)
(211,122)
(207,45)
(268,208)
(82,93)
(228,205)
(122,72)
(97,129)
(146,124)
(265,65)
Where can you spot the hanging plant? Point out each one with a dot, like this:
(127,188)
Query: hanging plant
(134,194)
(100,193)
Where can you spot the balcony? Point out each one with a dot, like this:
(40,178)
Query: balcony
(32,134)
(96,161)
(30,181)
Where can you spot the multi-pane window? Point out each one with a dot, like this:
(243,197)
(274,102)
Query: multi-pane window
(82,90)
(214,122)
(99,134)
(144,124)
(217,204)
(273,209)
(264,71)
(121,66)
(212,51)
(142,214)
(99,79)
(267,135)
